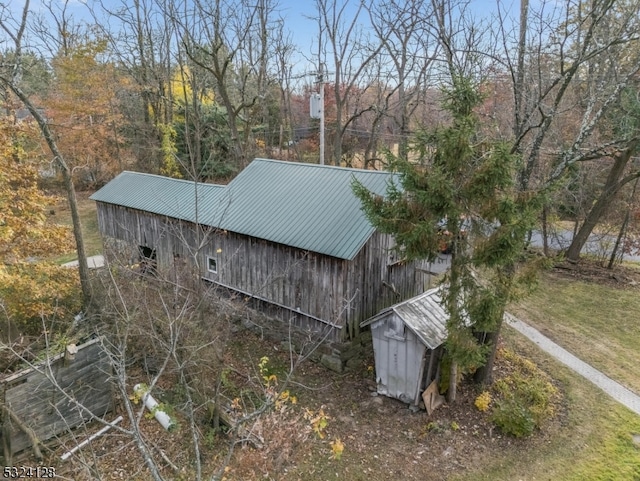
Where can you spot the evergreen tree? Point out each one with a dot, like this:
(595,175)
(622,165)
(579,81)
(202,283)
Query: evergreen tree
(461,191)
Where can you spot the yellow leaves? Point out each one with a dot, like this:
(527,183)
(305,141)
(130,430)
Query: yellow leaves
(24,230)
(30,291)
(170,166)
(318,421)
(483,401)
(269,379)
(337,447)
(284,399)
(286,396)
(264,360)
(181,84)
(236,405)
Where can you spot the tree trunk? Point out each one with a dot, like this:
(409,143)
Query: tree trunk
(545,231)
(612,186)
(452,392)
(484,374)
(616,246)
(623,229)
(83,266)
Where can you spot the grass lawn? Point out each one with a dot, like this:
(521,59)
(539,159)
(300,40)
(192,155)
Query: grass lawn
(89,220)
(599,439)
(595,443)
(595,322)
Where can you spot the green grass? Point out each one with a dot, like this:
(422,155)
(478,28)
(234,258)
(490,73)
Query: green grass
(593,443)
(595,322)
(89,221)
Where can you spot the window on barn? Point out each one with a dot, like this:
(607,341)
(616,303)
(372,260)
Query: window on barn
(212,265)
(148,260)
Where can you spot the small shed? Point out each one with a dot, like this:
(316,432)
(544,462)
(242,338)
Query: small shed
(407,343)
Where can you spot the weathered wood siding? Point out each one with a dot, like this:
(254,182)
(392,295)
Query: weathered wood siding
(306,285)
(311,290)
(36,401)
(168,237)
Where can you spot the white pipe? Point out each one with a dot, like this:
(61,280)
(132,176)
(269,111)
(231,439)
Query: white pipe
(153,406)
(66,455)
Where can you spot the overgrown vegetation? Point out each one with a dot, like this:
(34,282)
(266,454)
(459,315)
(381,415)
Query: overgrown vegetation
(523,399)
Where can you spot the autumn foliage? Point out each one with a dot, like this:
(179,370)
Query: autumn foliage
(29,290)
(83,109)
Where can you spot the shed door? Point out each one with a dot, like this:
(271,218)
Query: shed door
(398,359)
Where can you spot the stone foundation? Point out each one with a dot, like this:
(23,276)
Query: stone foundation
(334,355)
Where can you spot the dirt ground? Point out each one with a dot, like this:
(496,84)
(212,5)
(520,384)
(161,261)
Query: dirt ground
(621,277)
(382,438)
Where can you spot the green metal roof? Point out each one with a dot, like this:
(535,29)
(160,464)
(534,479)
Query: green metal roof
(308,206)
(160,195)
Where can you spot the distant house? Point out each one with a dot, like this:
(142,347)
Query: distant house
(291,236)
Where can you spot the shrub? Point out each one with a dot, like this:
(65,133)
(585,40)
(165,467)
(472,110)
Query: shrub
(512,417)
(524,398)
(483,401)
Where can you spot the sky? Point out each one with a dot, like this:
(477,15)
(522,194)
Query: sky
(298,15)
(305,29)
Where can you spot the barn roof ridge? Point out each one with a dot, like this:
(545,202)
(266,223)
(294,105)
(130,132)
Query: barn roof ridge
(172,179)
(324,166)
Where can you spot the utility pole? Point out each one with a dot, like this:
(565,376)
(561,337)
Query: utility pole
(317,109)
(321,80)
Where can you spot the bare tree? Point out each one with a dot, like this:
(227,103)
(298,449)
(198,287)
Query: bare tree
(569,60)
(139,36)
(351,55)
(234,41)
(410,48)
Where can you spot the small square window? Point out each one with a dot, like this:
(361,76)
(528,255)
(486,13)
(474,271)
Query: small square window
(212,265)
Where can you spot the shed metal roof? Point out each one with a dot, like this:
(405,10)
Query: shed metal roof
(423,314)
(308,206)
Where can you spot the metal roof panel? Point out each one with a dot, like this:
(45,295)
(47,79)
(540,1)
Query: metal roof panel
(308,206)
(423,314)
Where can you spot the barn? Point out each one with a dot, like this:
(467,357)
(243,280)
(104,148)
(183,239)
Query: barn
(291,236)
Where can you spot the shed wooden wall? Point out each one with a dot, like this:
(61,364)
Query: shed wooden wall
(312,290)
(31,395)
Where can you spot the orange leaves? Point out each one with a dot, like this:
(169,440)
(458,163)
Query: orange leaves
(83,110)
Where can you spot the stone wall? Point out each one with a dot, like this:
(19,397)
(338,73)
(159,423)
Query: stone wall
(335,355)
